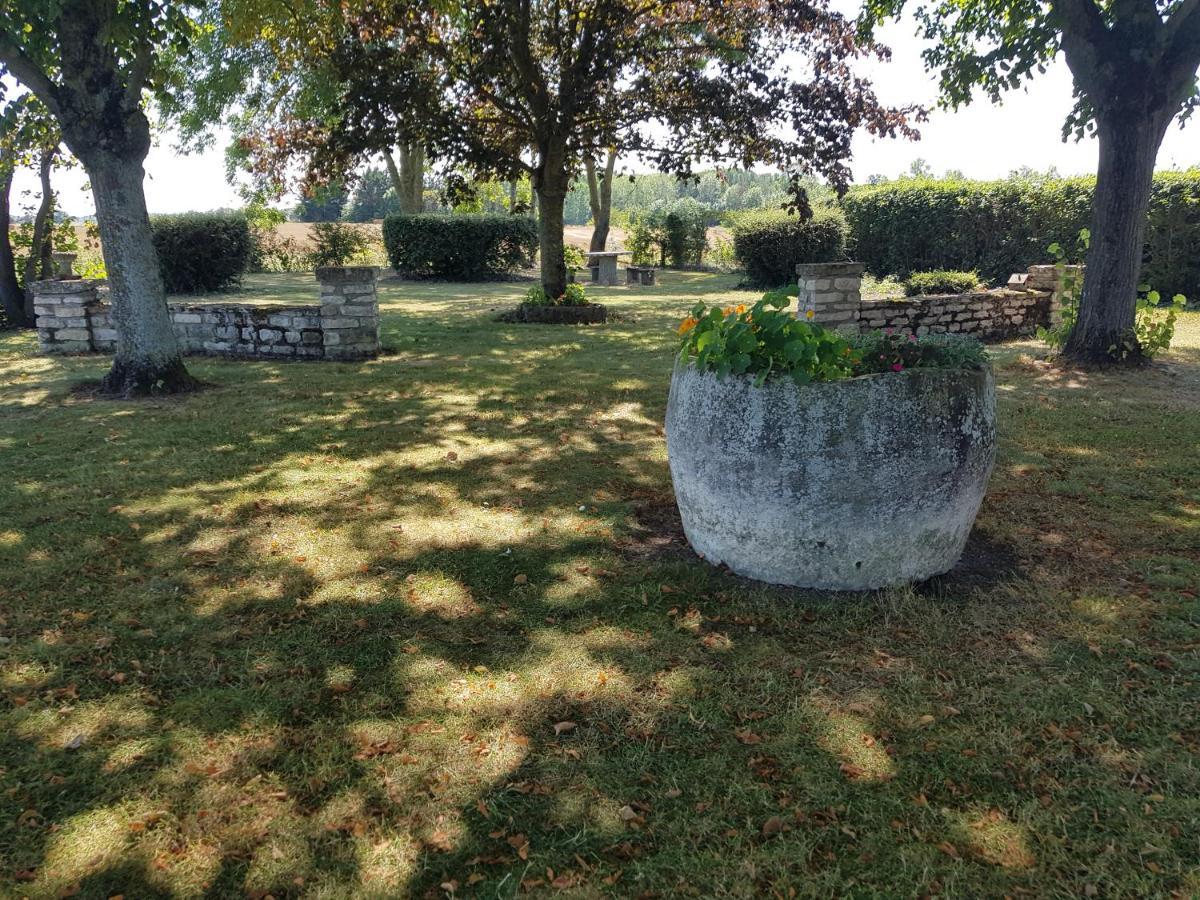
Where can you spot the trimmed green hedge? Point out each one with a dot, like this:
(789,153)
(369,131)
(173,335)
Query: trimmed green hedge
(770,244)
(460,248)
(1000,227)
(920,284)
(202,252)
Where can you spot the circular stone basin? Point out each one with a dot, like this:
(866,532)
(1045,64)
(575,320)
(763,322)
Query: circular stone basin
(560,315)
(846,485)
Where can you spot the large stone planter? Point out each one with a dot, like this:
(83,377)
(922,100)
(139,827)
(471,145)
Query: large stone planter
(849,485)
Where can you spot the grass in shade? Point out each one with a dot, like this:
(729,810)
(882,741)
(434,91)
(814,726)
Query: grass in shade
(426,626)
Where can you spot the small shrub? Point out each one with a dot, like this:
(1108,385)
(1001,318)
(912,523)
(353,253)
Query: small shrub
(574,295)
(940,281)
(721,256)
(763,340)
(460,247)
(202,252)
(770,244)
(674,234)
(1153,327)
(573,257)
(337,244)
(889,351)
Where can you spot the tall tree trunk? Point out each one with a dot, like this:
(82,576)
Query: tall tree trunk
(40,263)
(394,175)
(512,197)
(147,360)
(600,199)
(412,176)
(1128,147)
(550,182)
(12,298)
(408,178)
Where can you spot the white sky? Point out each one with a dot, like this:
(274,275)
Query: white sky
(981,140)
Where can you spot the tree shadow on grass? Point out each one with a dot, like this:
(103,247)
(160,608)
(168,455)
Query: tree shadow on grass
(349,631)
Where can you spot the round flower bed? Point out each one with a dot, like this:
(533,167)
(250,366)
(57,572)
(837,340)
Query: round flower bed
(813,476)
(572,308)
(559,315)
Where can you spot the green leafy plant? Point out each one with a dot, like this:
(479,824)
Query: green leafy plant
(574,295)
(1153,326)
(940,281)
(769,244)
(891,351)
(674,234)
(573,257)
(763,340)
(337,244)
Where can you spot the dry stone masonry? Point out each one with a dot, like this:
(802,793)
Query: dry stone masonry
(73,317)
(832,293)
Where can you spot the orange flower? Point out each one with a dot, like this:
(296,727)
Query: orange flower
(687,325)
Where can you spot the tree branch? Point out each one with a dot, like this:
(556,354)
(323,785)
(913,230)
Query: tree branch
(139,71)
(1085,39)
(28,72)
(1183,44)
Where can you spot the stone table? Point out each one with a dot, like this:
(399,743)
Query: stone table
(603,264)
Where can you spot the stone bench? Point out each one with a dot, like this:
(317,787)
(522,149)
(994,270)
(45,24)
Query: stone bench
(639,274)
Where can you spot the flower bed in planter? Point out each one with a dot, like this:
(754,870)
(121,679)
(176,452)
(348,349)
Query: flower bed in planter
(558,315)
(812,476)
(572,308)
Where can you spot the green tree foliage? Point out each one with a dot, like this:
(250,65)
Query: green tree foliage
(1134,65)
(374,197)
(1001,227)
(670,234)
(533,88)
(717,190)
(323,202)
(29,136)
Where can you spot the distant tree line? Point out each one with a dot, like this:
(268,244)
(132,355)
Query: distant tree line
(372,195)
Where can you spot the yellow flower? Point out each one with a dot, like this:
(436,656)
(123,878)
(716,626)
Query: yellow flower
(740,308)
(687,325)
(808,314)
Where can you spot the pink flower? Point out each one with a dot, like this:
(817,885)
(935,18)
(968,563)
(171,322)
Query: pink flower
(912,338)
(896,367)
(888,330)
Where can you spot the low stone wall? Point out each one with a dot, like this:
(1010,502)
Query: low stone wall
(72,317)
(830,295)
(987,315)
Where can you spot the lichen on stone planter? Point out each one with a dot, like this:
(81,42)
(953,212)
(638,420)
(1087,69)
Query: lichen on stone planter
(557,314)
(854,484)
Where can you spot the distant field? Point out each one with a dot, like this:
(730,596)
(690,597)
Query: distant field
(576,235)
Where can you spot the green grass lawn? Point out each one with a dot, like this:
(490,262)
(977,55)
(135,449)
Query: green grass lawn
(424,626)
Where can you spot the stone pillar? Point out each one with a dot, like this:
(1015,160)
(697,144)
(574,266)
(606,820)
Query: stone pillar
(349,312)
(1047,278)
(64,310)
(832,292)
